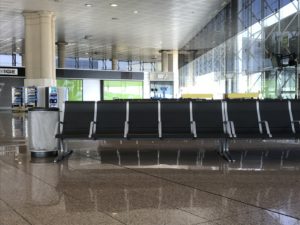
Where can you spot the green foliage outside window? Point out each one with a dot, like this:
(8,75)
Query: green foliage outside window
(74,88)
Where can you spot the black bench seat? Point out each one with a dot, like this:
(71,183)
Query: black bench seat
(77,119)
(110,120)
(143,120)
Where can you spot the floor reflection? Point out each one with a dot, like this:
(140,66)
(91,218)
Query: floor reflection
(148,182)
(191,155)
(13,127)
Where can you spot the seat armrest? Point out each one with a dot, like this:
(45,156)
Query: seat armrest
(92,128)
(126,128)
(228,128)
(194,129)
(159,129)
(267,127)
(296,121)
(58,128)
(232,128)
(293,123)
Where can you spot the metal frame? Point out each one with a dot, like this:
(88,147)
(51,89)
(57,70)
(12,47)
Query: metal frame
(63,151)
(76,62)
(91,64)
(193,123)
(126,124)
(159,120)
(246,48)
(130,65)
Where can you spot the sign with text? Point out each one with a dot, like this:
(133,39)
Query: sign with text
(162,76)
(9,71)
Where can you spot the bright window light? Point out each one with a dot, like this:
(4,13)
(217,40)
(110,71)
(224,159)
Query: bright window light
(288,10)
(269,21)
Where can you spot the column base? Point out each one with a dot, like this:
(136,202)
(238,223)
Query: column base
(39,82)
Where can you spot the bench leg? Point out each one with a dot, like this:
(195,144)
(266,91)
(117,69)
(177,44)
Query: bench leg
(63,152)
(200,157)
(224,150)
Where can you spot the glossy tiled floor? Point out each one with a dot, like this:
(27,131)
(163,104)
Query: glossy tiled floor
(148,183)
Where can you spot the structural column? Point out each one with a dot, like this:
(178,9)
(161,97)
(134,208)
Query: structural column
(61,49)
(115,64)
(114,60)
(164,61)
(23,60)
(191,75)
(170,63)
(40,48)
(176,73)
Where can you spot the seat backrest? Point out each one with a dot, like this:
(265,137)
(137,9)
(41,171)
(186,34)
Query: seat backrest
(143,116)
(295,109)
(77,117)
(243,113)
(111,116)
(175,116)
(208,116)
(295,113)
(276,112)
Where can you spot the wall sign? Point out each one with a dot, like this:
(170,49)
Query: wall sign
(162,76)
(9,71)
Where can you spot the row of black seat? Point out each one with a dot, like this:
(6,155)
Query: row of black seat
(181,119)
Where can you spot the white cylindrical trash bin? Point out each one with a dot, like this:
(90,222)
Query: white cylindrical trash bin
(42,124)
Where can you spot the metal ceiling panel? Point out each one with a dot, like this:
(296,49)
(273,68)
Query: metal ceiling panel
(159,24)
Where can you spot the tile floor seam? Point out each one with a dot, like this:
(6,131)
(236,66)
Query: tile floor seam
(206,219)
(188,212)
(8,164)
(222,196)
(15,211)
(192,214)
(65,193)
(180,209)
(157,177)
(175,207)
(208,192)
(224,217)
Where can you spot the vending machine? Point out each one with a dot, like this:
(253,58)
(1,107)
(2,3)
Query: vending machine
(47,97)
(17,97)
(52,97)
(30,97)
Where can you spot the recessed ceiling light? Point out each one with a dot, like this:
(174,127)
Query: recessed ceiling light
(113,4)
(18,48)
(86,53)
(135,12)
(88,5)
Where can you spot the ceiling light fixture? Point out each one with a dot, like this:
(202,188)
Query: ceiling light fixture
(135,12)
(113,5)
(88,5)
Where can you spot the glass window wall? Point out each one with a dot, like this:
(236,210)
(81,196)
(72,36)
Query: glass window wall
(74,88)
(117,89)
(262,36)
